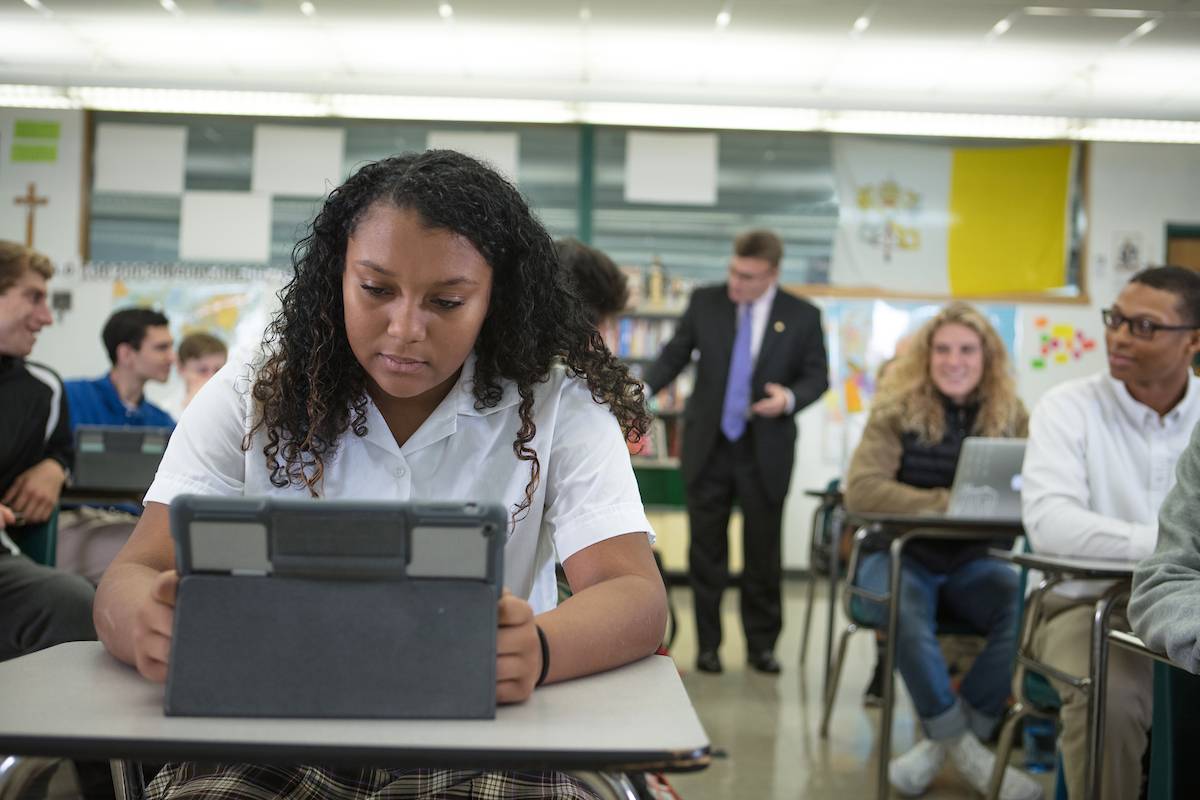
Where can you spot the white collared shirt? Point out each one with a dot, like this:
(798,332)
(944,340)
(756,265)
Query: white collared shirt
(587,491)
(760,312)
(1098,465)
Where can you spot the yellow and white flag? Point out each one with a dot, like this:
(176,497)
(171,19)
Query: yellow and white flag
(935,219)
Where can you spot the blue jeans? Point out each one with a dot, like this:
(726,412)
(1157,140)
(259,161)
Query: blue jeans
(981,593)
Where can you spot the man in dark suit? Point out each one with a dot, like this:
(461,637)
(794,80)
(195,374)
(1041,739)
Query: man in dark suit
(762,359)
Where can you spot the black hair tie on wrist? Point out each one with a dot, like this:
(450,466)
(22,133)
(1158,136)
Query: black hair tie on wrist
(545,654)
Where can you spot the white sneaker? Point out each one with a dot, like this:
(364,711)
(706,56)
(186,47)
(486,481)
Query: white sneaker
(974,762)
(911,773)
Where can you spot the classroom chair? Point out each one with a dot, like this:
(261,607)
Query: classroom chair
(38,542)
(852,605)
(827,521)
(1036,696)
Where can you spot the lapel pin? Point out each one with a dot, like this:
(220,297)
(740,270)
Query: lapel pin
(779,326)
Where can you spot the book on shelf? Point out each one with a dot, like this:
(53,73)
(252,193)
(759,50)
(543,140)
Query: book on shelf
(637,337)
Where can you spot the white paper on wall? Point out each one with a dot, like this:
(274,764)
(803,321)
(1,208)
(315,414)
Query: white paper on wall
(671,168)
(225,227)
(140,159)
(501,150)
(297,161)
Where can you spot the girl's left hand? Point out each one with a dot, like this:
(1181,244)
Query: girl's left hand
(518,651)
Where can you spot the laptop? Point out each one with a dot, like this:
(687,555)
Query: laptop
(110,457)
(311,608)
(987,480)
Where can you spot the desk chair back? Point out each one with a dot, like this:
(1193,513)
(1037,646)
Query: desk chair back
(1036,697)
(38,542)
(828,521)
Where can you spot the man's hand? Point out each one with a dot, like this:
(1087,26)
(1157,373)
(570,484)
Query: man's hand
(152,631)
(6,517)
(774,404)
(518,651)
(35,492)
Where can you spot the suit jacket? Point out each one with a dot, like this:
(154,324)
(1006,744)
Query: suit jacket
(792,354)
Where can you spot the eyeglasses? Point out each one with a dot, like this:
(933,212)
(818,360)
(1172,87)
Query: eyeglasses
(1139,327)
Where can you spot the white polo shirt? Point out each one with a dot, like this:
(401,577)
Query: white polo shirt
(1098,465)
(587,491)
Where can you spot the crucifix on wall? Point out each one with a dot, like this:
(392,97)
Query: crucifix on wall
(31,201)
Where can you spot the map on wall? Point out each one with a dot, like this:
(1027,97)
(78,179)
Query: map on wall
(236,313)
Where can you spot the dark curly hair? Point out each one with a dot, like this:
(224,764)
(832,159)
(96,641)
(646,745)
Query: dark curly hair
(310,388)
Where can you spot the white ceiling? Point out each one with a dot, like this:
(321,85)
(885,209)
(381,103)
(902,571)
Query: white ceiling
(916,55)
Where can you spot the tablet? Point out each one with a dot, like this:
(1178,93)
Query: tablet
(324,608)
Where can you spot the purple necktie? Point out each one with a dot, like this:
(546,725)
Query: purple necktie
(737,389)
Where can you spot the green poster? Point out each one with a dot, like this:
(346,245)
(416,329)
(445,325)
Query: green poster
(35,141)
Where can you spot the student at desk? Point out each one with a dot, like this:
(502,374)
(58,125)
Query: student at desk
(39,606)
(139,346)
(952,382)
(1100,460)
(427,348)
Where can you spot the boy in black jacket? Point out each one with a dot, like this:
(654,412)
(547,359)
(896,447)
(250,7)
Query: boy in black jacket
(42,606)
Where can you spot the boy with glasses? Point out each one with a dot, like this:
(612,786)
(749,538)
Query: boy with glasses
(1100,460)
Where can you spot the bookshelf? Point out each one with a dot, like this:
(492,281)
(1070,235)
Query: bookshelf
(636,337)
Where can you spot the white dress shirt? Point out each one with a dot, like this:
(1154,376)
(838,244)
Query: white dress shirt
(587,491)
(1098,465)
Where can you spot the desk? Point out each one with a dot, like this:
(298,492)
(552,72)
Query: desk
(907,527)
(76,699)
(1176,729)
(1057,569)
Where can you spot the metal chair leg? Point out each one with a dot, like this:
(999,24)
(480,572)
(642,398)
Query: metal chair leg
(129,782)
(835,678)
(609,785)
(808,614)
(1004,747)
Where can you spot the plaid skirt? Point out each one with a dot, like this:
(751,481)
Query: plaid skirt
(194,780)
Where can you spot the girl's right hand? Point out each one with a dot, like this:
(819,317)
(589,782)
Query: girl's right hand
(153,623)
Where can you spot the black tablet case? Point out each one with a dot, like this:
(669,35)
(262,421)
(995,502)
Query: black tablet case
(337,627)
(117,458)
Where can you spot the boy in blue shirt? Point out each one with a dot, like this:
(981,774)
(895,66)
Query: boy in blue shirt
(141,350)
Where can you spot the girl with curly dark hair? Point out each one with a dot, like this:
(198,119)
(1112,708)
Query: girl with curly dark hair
(428,347)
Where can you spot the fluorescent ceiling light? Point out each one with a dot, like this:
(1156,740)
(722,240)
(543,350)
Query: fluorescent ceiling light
(189,101)
(585,13)
(445,10)
(901,123)
(663,115)
(1139,32)
(169,5)
(1138,130)
(459,109)
(724,17)
(491,109)
(1000,28)
(1106,13)
(308,9)
(24,96)
(1117,13)
(862,23)
(37,5)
